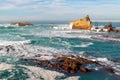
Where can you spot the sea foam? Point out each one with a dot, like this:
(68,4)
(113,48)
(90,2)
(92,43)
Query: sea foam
(6,43)
(19,48)
(84,44)
(33,72)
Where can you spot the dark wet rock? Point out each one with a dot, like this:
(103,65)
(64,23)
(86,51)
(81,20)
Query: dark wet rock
(42,62)
(108,27)
(116,60)
(24,59)
(1,48)
(73,65)
(67,63)
(38,55)
(82,69)
(96,27)
(109,69)
(116,31)
(9,48)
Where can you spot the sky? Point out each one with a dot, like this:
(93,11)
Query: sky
(58,10)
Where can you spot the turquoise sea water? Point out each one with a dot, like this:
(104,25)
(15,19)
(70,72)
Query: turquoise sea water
(52,39)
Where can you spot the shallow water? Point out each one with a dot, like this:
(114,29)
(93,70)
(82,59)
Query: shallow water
(45,39)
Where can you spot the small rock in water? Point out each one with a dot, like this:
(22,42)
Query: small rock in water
(109,69)
(38,55)
(82,69)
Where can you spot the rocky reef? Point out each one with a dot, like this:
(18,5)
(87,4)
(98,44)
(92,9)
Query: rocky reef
(110,28)
(106,28)
(84,23)
(66,63)
(21,23)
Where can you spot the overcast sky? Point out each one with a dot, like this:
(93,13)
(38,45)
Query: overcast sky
(58,10)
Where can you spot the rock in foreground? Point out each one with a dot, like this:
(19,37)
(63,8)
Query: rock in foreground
(68,64)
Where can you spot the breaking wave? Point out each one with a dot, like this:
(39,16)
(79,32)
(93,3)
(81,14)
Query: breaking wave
(6,43)
(105,62)
(19,48)
(84,44)
(30,73)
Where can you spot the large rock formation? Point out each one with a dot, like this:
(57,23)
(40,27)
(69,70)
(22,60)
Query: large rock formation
(84,23)
(21,23)
(66,63)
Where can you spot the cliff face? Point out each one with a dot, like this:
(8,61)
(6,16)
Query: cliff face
(21,23)
(84,23)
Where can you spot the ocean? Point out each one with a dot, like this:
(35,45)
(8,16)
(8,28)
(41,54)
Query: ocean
(58,39)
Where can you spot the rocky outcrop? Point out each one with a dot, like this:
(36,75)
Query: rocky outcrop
(110,28)
(84,23)
(21,23)
(65,63)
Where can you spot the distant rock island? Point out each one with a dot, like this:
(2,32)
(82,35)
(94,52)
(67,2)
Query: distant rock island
(84,23)
(21,23)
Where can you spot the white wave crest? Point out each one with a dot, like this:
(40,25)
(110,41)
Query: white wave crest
(106,62)
(106,38)
(62,27)
(102,59)
(9,25)
(84,44)
(6,43)
(35,73)
(19,48)
(46,74)
(5,66)
(65,33)
(73,78)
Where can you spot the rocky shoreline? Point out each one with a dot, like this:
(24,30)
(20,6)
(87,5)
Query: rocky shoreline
(67,63)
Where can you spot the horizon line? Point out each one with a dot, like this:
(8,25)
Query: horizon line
(105,20)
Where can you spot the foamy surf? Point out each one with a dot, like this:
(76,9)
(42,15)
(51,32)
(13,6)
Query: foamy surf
(5,66)
(104,61)
(84,44)
(65,34)
(32,73)
(6,43)
(9,25)
(19,48)
(62,27)
(106,38)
